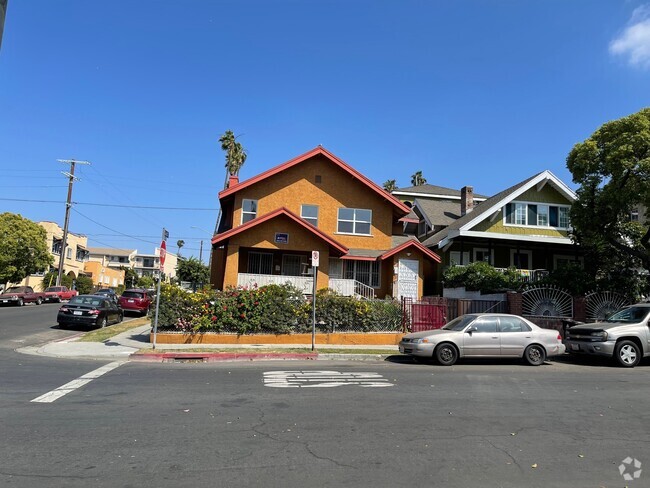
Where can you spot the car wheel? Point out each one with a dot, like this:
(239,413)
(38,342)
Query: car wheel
(102,323)
(627,354)
(20,302)
(446,354)
(535,355)
(39,300)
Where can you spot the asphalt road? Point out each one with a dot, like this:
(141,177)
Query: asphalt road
(476,424)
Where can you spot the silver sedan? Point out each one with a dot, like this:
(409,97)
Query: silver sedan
(485,335)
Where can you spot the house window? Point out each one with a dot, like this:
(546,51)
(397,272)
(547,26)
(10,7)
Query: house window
(366,272)
(56,246)
(456,258)
(310,214)
(482,255)
(68,253)
(521,259)
(260,262)
(354,221)
(248,210)
(423,228)
(292,264)
(537,215)
(634,215)
(562,261)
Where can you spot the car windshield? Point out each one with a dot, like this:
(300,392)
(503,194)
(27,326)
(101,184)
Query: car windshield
(15,289)
(81,300)
(132,294)
(459,323)
(53,288)
(630,315)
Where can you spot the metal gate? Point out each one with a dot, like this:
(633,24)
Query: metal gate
(426,314)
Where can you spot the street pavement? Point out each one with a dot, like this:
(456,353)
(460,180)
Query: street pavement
(80,422)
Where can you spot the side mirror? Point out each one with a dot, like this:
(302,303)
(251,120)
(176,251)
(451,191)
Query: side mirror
(471,329)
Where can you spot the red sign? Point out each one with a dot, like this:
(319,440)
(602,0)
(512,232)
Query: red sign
(163,253)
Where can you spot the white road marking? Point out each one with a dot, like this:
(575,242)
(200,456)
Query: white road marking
(323,379)
(57,393)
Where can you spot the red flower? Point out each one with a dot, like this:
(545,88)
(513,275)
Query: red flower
(257,303)
(225,308)
(214,318)
(242,315)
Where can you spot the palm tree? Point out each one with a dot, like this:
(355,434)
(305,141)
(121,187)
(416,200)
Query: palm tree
(235,154)
(417,179)
(180,243)
(390,185)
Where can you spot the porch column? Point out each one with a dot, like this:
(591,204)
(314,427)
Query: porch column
(232,266)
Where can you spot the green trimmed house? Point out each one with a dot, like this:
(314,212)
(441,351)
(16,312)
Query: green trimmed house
(526,226)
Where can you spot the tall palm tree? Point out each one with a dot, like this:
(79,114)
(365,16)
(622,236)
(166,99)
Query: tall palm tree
(235,154)
(390,185)
(417,179)
(180,243)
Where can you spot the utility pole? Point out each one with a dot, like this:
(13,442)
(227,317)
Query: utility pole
(68,205)
(201,252)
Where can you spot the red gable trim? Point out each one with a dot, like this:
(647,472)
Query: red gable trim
(358,258)
(303,157)
(281,211)
(409,221)
(426,251)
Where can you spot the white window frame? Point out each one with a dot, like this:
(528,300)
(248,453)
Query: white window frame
(248,212)
(68,253)
(454,258)
(521,210)
(486,251)
(528,252)
(309,219)
(354,221)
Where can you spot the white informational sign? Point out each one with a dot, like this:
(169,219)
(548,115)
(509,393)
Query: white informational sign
(315,257)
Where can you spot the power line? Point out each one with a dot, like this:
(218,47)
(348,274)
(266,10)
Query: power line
(192,209)
(113,230)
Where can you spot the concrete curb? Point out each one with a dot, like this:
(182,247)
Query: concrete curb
(209,357)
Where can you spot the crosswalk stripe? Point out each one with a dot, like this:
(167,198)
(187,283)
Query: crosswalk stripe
(73,385)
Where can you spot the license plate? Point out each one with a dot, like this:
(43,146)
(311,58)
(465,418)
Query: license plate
(575,347)
(77,313)
(131,301)
(5,301)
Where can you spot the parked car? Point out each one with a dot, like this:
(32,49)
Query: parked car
(59,293)
(89,310)
(136,300)
(20,295)
(107,292)
(624,336)
(485,335)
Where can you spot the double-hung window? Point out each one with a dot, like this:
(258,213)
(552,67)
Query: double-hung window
(248,210)
(310,214)
(537,215)
(354,221)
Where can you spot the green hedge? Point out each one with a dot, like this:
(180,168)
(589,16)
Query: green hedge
(278,309)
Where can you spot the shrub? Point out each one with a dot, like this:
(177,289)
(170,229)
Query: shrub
(481,276)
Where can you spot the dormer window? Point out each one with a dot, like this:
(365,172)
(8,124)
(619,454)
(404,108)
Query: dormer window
(536,215)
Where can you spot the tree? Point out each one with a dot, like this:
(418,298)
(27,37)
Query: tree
(390,185)
(417,179)
(612,168)
(23,248)
(50,280)
(192,270)
(84,284)
(146,281)
(130,277)
(180,243)
(235,154)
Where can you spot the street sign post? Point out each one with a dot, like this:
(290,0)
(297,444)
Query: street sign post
(163,255)
(315,261)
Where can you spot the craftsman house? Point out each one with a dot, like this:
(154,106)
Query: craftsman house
(525,226)
(271,224)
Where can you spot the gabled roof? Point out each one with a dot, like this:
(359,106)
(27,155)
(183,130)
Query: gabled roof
(495,203)
(427,190)
(438,212)
(272,215)
(401,207)
(412,243)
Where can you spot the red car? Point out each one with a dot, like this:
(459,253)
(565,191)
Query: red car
(59,293)
(135,300)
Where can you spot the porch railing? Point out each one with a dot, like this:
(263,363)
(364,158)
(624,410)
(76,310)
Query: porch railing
(303,283)
(527,275)
(352,288)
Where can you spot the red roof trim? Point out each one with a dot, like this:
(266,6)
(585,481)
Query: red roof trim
(426,251)
(358,258)
(309,154)
(410,221)
(280,211)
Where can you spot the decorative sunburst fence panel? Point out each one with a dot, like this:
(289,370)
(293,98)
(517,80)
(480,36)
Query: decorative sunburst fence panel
(547,301)
(601,304)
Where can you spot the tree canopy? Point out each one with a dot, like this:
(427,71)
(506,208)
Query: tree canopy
(192,270)
(235,153)
(390,185)
(417,179)
(612,168)
(23,248)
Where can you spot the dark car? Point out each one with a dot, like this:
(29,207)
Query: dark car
(135,300)
(107,292)
(89,310)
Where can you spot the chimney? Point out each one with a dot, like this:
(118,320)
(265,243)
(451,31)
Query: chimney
(466,200)
(233,180)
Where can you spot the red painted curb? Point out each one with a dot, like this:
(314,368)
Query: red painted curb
(218,356)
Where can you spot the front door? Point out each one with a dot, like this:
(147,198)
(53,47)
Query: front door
(485,340)
(407,278)
(291,265)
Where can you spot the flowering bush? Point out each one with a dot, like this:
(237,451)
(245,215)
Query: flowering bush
(279,309)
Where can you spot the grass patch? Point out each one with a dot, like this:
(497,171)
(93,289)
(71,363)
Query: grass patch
(100,335)
(286,350)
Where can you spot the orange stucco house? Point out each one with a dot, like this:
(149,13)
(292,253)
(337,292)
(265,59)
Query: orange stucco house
(271,223)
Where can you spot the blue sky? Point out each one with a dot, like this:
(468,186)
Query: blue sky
(482,93)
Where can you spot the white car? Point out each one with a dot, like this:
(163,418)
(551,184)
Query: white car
(485,335)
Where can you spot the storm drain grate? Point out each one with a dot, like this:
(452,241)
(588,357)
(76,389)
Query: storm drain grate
(186,359)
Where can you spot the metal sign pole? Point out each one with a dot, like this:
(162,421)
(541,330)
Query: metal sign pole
(313,310)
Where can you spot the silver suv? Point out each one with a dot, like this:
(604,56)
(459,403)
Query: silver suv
(625,336)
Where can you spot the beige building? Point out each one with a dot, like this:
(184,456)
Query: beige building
(149,264)
(104,276)
(143,264)
(74,258)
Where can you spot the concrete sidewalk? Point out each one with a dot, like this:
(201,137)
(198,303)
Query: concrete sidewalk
(129,345)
